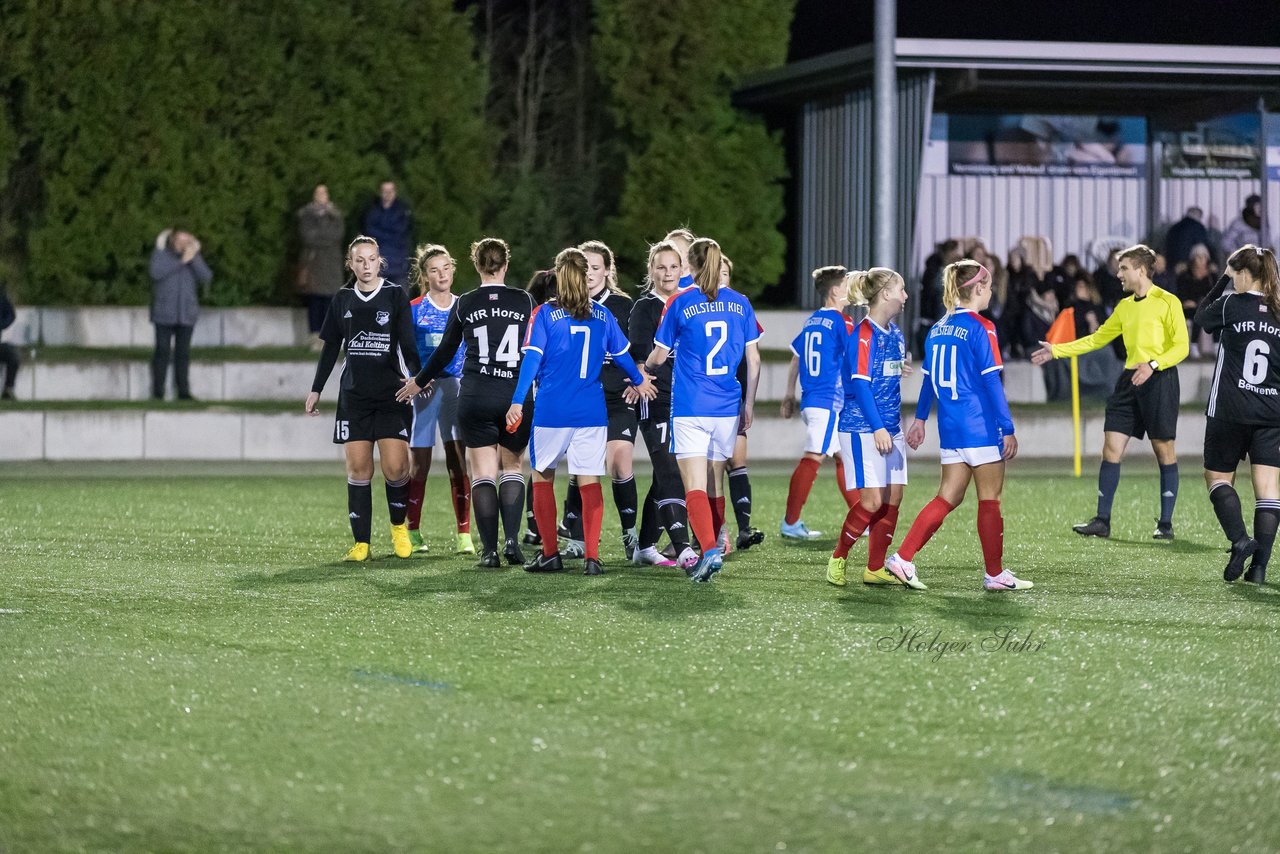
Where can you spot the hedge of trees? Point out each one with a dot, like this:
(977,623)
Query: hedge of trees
(544,121)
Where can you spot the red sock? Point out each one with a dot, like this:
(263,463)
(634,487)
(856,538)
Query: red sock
(544,513)
(854,524)
(417,488)
(717,513)
(883,525)
(462,502)
(699,508)
(801,482)
(851,496)
(592,517)
(991,535)
(924,527)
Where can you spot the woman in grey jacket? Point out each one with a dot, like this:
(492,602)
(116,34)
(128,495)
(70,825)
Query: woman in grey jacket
(320,270)
(176,267)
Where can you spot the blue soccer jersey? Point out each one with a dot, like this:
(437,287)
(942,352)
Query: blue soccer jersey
(569,355)
(428,327)
(709,340)
(961,367)
(874,356)
(820,349)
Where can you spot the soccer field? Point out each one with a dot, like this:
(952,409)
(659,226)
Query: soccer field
(185,666)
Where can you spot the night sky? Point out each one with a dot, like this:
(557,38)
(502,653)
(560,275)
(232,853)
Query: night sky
(822,26)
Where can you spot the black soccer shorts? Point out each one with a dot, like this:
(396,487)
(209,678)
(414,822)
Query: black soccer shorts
(361,422)
(1226,443)
(482,421)
(1150,409)
(623,422)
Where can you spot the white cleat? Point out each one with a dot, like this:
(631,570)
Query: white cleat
(798,531)
(688,559)
(1005,581)
(904,571)
(650,556)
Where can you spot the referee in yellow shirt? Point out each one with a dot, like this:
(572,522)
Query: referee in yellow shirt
(1145,401)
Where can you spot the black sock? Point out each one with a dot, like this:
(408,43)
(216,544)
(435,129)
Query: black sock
(675,518)
(360,508)
(1226,505)
(1266,516)
(1168,491)
(573,510)
(398,500)
(624,498)
(650,530)
(484,504)
(511,501)
(530,522)
(740,496)
(1108,480)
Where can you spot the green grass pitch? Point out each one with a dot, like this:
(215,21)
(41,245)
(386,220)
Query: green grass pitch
(184,666)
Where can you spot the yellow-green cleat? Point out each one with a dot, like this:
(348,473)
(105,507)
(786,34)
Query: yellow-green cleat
(358,552)
(400,541)
(878,576)
(465,546)
(835,572)
(415,540)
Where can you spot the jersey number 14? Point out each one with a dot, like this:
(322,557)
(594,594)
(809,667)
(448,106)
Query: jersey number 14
(943,370)
(508,347)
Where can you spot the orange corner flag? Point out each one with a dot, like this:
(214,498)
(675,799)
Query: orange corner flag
(1063,328)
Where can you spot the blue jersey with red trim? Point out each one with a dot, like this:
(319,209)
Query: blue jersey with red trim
(820,349)
(428,328)
(570,393)
(960,350)
(709,339)
(876,355)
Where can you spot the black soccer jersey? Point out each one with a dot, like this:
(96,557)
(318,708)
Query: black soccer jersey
(613,378)
(646,313)
(492,320)
(377,330)
(1246,380)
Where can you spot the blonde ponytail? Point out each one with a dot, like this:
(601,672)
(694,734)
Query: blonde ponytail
(704,261)
(866,285)
(960,276)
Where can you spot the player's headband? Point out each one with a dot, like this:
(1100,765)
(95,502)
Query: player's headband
(984,275)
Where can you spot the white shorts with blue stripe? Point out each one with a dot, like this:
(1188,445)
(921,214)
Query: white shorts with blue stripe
(867,468)
(439,409)
(820,427)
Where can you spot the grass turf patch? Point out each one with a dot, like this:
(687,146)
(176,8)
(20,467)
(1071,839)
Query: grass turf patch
(186,666)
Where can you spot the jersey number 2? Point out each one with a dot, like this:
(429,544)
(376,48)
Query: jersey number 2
(721,330)
(508,351)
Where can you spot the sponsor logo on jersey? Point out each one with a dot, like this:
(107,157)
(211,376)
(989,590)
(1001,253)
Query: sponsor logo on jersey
(369,344)
(383,318)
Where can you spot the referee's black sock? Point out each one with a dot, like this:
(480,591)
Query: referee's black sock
(1168,491)
(530,522)
(511,502)
(1266,516)
(650,530)
(360,509)
(1108,480)
(624,498)
(572,516)
(484,504)
(398,499)
(740,495)
(1226,506)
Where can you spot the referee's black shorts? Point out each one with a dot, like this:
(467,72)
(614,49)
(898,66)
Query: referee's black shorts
(482,421)
(1226,443)
(359,421)
(1149,410)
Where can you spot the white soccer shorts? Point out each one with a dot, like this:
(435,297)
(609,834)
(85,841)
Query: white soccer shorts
(698,436)
(584,447)
(439,409)
(972,457)
(820,430)
(867,468)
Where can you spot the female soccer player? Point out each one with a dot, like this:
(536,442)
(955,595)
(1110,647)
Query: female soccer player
(664,507)
(373,319)
(565,350)
(975,429)
(739,475)
(710,329)
(541,288)
(433,269)
(493,319)
(870,424)
(1244,404)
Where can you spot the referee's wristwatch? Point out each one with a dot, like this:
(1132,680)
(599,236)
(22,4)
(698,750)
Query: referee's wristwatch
(1153,365)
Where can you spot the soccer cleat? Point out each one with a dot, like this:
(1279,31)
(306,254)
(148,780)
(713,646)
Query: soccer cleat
(630,542)
(835,571)
(489,560)
(465,546)
(879,576)
(1257,573)
(574,549)
(1095,527)
(798,531)
(1005,581)
(400,541)
(707,567)
(415,540)
(532,539)
(688,559)
(650,556)
(750,537)
(592,567)
(1241,550)
(1164,530)
(358,552)
(511,551)
(542,563)
(904,571)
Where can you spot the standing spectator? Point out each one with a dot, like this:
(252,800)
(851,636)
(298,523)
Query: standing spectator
(1062,279)
(946,252)
(320,273)
(1182,235)
(176,266)
(8,353)
(1246,228)
(1194,283)
(1162,276)
(390,222)
(1023,281)
(1107,278)
(1099,370)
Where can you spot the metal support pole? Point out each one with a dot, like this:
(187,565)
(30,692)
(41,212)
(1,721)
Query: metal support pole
(1264,229)
(885,121)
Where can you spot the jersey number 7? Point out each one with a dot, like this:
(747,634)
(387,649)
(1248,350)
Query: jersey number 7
(586,346)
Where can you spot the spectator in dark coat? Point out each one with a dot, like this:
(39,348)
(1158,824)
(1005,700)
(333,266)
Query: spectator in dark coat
(320,270)
(1022,281)
(1062,279)
(931,308)
(1162,277)
(390,222)
(9,356)
(1246,228)
(1194,284)
(176,268)
(1182,235)
(1108,282)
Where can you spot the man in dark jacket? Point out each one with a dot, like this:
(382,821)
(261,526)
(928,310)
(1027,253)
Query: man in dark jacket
(9,356)
(176,268)
(1182,235)
(390,222)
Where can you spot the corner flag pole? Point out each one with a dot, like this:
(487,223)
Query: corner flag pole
(1075,407)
